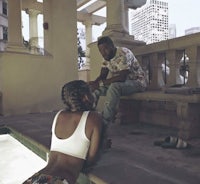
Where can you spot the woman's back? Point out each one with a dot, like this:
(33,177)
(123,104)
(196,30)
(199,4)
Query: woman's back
(65,126)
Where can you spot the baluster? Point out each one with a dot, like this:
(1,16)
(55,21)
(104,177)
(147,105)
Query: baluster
(193,53)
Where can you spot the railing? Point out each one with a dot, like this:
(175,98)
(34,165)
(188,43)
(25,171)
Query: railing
(167,63)
(171,62)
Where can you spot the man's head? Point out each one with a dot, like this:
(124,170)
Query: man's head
(106,48)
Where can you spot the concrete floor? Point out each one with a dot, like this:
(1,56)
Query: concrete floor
(133,159)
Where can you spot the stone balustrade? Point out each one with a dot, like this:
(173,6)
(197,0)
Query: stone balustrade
(171,62)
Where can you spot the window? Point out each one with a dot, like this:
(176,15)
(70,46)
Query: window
(5,12)
(5,33)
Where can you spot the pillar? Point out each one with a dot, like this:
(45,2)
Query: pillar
(115,17)
(33,27)
(118,23)
(15,40)
(126,18)
(47,14)
(88,34)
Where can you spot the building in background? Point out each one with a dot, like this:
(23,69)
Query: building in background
(3,24)
(192,30)
(172,31)
(150,23)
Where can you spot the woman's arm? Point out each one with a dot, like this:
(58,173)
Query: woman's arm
(97,122)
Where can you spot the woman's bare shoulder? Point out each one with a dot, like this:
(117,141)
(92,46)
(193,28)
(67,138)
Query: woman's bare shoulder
(95,118)
(69,115)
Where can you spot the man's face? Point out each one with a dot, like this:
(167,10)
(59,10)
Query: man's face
(106,51)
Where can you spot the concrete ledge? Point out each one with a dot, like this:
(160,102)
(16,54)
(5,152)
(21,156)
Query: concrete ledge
(176,110)
(161,96)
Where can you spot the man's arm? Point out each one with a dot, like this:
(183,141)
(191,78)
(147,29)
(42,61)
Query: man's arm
(103,74)
(121,76)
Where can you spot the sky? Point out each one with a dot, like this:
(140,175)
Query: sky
(184,13)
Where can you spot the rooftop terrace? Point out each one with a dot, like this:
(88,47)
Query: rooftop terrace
(132,159)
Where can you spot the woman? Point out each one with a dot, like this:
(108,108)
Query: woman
(76,133)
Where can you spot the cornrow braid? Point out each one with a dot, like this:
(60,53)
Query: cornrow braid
(72,95)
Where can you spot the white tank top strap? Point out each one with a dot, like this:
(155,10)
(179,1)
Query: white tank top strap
(82,122)
(55,120)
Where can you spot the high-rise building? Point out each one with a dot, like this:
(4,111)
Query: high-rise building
(192,30)
(150,22)
(172,31)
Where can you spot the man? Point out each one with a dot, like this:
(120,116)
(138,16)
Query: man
(127,76)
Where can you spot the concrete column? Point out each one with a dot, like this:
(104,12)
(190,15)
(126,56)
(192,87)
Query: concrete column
(47,14)
(115,17)
(126,20)
(33,27)
(88,34)
(15,40)
(118,23)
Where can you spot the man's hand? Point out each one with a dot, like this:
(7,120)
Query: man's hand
(93,85)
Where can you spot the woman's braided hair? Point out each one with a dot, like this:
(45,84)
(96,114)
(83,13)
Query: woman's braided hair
(73,93)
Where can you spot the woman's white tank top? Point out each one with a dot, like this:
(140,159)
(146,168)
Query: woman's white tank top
(77,144)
